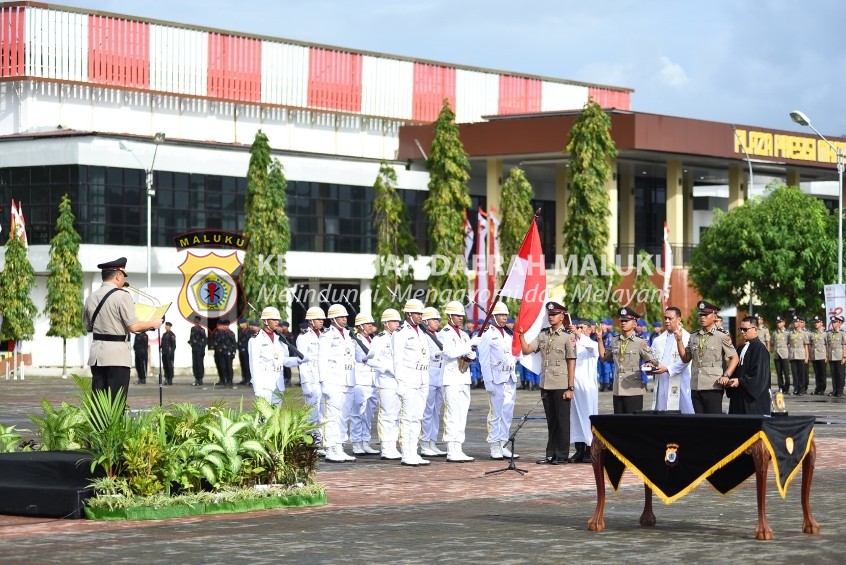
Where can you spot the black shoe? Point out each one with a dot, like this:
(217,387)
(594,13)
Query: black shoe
(559,461)
(140,382)
(545,461)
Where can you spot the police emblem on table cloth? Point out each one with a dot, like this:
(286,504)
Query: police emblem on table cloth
(210,287)
(671,456)
(788,443)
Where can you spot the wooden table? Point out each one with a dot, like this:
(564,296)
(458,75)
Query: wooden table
(672,453)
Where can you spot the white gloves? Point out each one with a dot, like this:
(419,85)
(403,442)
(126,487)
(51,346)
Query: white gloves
(474,341)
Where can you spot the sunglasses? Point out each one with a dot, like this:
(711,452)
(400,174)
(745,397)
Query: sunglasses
(746,329)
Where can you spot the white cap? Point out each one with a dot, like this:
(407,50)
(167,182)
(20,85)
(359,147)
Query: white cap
(270,313)
(431,314)
(336,311)
(500,308)
(315,313)
(413,305)
(364,319)
(454,308)
(390,315)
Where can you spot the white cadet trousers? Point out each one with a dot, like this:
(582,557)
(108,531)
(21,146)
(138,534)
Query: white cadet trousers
(313,397)
(501,399)
(412,404)
(337,405)
(389,413)
(432,413)
(456,406)
(366,397)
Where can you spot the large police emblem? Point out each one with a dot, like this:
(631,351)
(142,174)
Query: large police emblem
(210,286)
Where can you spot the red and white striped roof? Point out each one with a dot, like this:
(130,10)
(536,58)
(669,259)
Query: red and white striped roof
(40,41)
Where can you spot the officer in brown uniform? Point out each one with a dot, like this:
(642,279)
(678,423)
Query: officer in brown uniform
(629,353)
(110,314)
(558,376)
(707,349)
(798,344)
(764,333)
(819,354)
(781,355)
(837,355)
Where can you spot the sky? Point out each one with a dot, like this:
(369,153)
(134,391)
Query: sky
(747,62)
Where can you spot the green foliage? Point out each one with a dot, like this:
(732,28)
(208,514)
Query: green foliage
(106,428)
(516,215)
(225,450)
(9,438)
(280,429)
(143,453)
(58,430)
(449,171)
(64,277)
(646,295)
(268,228)
(16,283)
(784,244)
(394,241)
(586,231)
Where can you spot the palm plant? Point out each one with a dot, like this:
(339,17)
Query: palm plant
(280,428)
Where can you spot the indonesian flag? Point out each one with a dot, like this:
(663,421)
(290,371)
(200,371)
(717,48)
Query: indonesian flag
(668,266)
(493,252)
(481,290)
(527,282)
(18,227)
(468,237)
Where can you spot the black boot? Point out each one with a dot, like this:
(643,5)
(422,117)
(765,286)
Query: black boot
(586,458)
(579,454)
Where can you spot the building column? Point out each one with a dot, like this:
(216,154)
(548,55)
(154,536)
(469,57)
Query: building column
(688,209)
(793,177)
(365,298)
(626,211)
(613,207)
(562,193)
(493,190)
(675,206)
(736,184)
(313,293)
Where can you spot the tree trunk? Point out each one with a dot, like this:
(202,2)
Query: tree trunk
(64,357)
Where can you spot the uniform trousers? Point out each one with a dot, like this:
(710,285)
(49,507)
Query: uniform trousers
(456,406)
(501,397)
(141,365)
(797,366)
(313,397)
(337,405)
(836,377)
(432,414)
(782,367)
(389,414)
(198,355)
(413,402)
(707,401)
(819,376)
(244,359)
(110,378)
(627,404)
(557,411)
(167,365)
(365,401)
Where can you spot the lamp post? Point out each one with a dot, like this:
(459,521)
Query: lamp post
(803,120)
(158,139)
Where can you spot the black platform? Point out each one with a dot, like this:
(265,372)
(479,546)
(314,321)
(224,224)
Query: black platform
(52,484)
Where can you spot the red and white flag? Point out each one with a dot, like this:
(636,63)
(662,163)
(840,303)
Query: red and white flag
(18,227)
(492,260)
(527,282)
(481,290)
(468,237)
(667,257)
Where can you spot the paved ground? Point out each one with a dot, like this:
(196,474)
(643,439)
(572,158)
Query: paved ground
(379,511)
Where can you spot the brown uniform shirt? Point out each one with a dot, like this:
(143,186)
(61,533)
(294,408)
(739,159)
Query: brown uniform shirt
(117,314)
(780,344)
(629,354)
(796,342)
(819,346)
(555,348)
(835,345)
(707,352)
(764,336)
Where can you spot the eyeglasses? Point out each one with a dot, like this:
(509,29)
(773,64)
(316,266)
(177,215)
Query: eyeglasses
(747,329)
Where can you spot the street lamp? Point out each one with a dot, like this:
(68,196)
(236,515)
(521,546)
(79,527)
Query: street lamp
(803,120)
(158,139)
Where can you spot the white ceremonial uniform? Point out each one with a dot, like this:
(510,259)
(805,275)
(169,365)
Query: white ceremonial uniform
(498,371)
(586,396)
(268,356)
(456,384)
(382,360)
(336,361)
(412,356)
(308,343)
(666,352)
(434,397)
(365,395)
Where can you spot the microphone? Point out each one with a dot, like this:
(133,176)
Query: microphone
(150,297)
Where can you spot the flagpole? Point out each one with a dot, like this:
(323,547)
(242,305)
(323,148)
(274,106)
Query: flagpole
(505,280)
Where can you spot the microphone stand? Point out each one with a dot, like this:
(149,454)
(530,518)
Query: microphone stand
(156,302)
(511,465)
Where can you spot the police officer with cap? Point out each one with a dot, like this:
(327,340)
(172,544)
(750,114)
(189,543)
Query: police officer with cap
(168,349)
(629,353)
(708,348)
(837,355)
(365,393)
(558,379)
(109,314)
(308,343)
(268,356)
(819,354)
(781,354)
(336,365)
(799,346)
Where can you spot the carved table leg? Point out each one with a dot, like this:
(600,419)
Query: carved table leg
(648,516)
(597,521)
(762,463)
(809,525)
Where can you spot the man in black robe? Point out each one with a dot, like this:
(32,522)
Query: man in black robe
(749,390)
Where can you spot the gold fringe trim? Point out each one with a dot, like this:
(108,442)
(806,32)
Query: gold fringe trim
(694,483)
(782,486)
